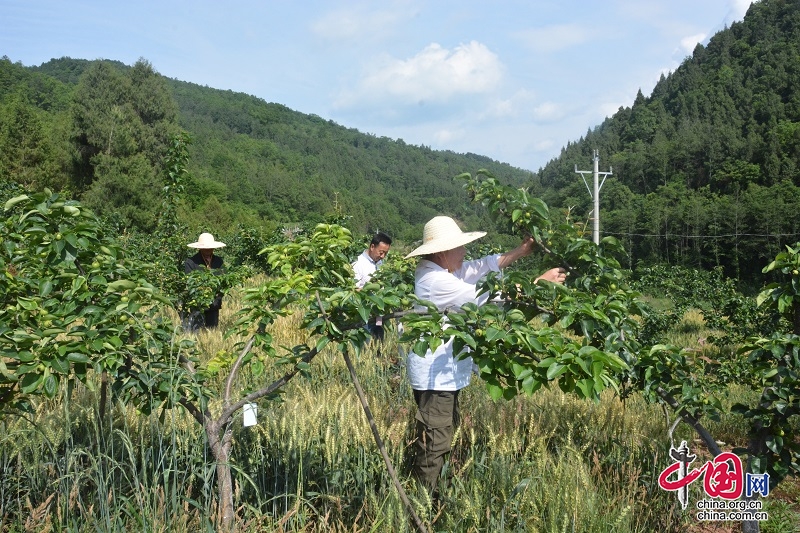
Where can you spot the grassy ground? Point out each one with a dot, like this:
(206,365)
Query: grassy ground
(547,463)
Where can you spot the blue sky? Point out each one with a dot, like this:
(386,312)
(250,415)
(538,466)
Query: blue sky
(512,80)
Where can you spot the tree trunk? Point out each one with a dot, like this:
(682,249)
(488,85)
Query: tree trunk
(220,449)
(755,447)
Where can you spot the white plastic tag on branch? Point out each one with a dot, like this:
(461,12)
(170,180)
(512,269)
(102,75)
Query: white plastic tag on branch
(249,414)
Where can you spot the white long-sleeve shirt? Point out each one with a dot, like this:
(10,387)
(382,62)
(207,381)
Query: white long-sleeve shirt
(439,370)
(364,267)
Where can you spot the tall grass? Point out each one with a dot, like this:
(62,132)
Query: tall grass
(546,463)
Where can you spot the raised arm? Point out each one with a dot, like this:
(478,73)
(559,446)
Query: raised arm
(520,251)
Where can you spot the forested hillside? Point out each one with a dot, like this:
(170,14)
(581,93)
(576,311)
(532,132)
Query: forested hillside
(705,169)
(287,164)
(102,128)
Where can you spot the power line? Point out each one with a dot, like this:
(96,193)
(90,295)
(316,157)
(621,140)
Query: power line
(702,236)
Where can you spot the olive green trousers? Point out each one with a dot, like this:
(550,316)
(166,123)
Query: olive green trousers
(437,417)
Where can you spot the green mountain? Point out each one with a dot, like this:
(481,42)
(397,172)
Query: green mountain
(251,161)
(706,170)
(288,164)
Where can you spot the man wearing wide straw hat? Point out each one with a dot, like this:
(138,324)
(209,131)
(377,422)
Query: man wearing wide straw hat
(205,258)
(444,279)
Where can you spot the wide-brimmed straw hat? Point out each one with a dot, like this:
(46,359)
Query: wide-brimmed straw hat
(206,241)
(441,234)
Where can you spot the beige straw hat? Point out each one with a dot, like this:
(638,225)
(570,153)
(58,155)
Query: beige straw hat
(441,234)
(205,242)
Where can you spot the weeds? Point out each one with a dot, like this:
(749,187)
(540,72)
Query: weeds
(546,463)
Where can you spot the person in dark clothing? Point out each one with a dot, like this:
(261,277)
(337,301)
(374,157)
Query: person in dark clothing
(204,258)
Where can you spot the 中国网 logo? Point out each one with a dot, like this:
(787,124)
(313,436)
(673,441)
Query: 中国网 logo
(724,482)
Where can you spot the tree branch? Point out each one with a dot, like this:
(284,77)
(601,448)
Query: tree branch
(376,435)
(235,368)
(266,391)
(711,443)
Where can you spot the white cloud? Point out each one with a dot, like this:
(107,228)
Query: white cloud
(504,107)
(354,24)
(548,112)
(688,43)
(544,145)
(609,108)
(434,75)
(738,8)
(554,38)
(501,108)
(443,137)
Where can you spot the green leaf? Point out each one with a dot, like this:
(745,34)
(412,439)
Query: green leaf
(583,362)
(5,372)
(495,391)
(257,367)
(363,312)
(785,302)
(50,386)
(28,303)
(60,366)
(434,343)
(25,357)
(120,285)
(45,287)
(531,385)
(545,363)
(77,357)
(597,369)
(322,342)
(492,334)
(541,208)
(759,464)
(521,371)
(14,201)
(555,370)
(421,347)
(586,386)
(535,344)
(30,382)
(775,443)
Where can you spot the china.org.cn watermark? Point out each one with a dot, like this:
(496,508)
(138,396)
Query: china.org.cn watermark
(724,482)
(720,510)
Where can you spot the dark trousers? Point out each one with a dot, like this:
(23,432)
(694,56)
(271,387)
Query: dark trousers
(437,417)
(197,319)
(211,317)
(376,330)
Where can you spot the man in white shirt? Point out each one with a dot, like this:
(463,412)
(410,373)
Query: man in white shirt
(370,259)
(365,266)
(444,279)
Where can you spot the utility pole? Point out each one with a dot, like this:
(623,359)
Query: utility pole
(594,192)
